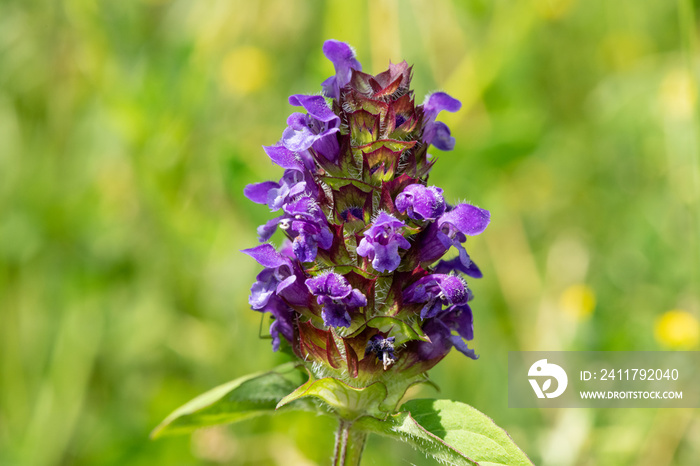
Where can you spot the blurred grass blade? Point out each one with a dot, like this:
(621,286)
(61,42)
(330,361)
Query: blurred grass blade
(242,398)
(450,432)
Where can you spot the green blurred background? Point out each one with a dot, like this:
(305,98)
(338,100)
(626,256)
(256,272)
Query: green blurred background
(129,128)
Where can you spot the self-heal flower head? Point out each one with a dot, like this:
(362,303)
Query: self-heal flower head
(421,202)
(337,296)
(361,290)
(382,241)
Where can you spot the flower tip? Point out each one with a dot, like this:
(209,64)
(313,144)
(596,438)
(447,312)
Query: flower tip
(438,101)
(337,50)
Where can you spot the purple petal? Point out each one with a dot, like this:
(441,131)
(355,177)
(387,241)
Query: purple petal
(467,219)
(327,145)
(283,324)
(433,243)
(418,292)
(437,102)
(439,344)
(456,264)
(283,157)
(356,299)
(432,309)
(385,219)
(421,202)
(336,316)
(258,192)
(330,87)
(292,289)
(305,248)
(340,53)
(298,141)
(331,284)
(297,121)
(462,347)
(462,320)
(325,238)
(386,258)
(275,331)
(297,189)
(365,248)
(286,283)
(315,105)
(344,62)
(267,256)
(286,248)
(305,207)
(440,136)
(266,230)
(402,242)
(262,289)
(453,289)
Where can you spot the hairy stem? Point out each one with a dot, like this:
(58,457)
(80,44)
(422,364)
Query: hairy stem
(349,444)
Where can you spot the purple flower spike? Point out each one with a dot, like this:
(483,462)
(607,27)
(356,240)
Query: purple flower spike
(436,132)
(353,153)
(436,291)
(337,296)
(344,61)
(421,202)
(317,129)
(381,243)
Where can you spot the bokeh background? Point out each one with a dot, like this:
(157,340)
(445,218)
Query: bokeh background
(128,130)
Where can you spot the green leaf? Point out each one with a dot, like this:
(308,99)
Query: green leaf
(450,432)
(243,398)
(349,402)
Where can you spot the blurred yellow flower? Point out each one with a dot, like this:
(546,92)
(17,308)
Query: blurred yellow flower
(677,329)
(244,70)
(578,301)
